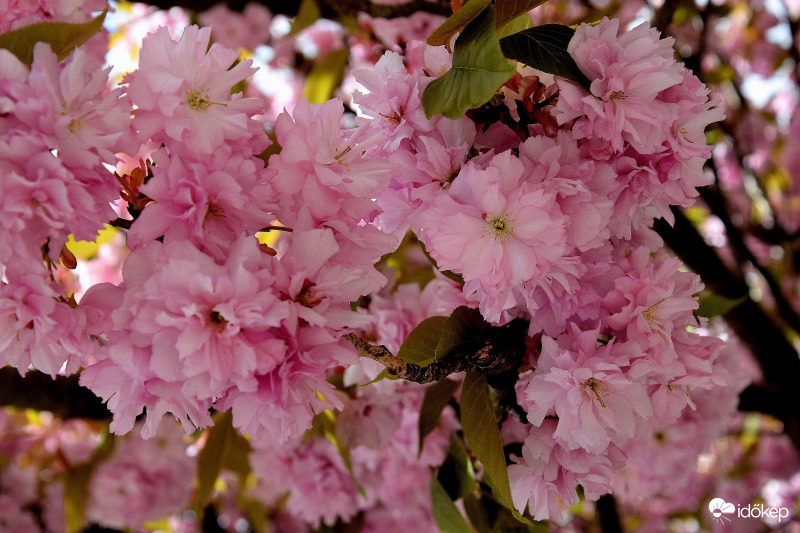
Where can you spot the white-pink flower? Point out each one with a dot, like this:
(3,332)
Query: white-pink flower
(182,92)
(496,229)
(627,73)
(584,385)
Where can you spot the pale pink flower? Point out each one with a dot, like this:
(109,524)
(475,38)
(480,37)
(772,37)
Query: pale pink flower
(207,203)
(627,73)
(394,100)
(585,386)
(545,478)
(652,301)
(73,110)
(188,328)
(143,480)
(35,328)
(321,168)
(248,29)
(320,489)
(496,229)
(285,400)
(18,13)
(183,94)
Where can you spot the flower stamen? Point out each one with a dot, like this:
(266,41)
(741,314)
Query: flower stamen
(200,99)
(599,389)
(501,226)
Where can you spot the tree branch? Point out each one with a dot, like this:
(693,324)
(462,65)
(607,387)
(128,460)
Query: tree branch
(608,514)
(330,9)
(496,352)
(62,396)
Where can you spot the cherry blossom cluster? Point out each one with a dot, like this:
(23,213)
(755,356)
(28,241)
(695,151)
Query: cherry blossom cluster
(552,226)
(205,315)
(544,214)
(58,126)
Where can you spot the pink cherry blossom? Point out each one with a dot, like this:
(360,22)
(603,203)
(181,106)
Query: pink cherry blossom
(182,92)
(496,229)
(627,72)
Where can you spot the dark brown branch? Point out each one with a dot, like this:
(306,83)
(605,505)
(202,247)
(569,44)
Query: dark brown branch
(436,371)
(493,353)
(766,399)
(608,515)
(776,356)
(719,206)
(61,396)
(664,14)
(122,223)
(331,9)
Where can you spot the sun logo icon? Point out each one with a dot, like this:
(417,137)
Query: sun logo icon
(719,508)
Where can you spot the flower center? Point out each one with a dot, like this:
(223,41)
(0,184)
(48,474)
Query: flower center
(200,99)
(650,313)
(394,118)
(501,226)
(596,387)
(306,296)
(216,321)
(617,95)
(214,211)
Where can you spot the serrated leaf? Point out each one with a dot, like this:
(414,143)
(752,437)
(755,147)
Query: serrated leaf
(456,474)
(420,346)
(712,304)
(506,11)
(63,37)
(461,329)
(326,76)
(483,437)
(211,458)
(479,69)
(436,397)
(445,513)
(307,15)
(455,22)
(545,48)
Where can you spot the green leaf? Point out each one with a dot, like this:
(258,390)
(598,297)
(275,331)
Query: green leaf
(211,458)
(436,397)
(76,485)
(63,37)
(477,513)
(456,21)
(384,374)
(445,513)
(326,76)
(461,329)
(523,22)
(712,304)
(483,437)
(545,48)
(457,474)
(237,456)
(420,345)
(479,69)
(506,11)
(307,15)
